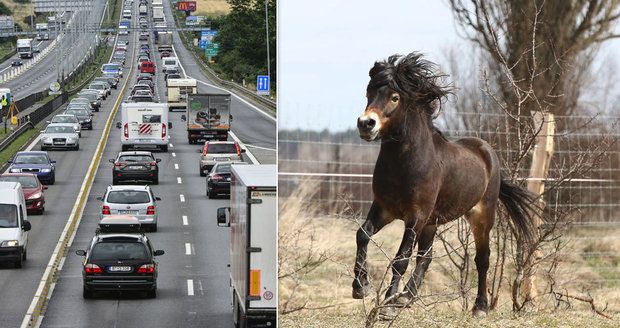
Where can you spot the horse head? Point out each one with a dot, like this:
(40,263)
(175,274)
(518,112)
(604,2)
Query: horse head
(399,86)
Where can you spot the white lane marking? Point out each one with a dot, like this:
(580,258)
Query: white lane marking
(174,155)
(179,181)
(176,166)
(240,99)
(259,147)
(190,287)
(185,220)
(182,197)
(188,249)
(252,158)
(171,145)
(62,263)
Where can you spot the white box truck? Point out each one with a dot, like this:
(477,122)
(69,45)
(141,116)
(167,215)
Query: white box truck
(25,48)
(158,14)
(144,124)
(164,41)
(177,91)
(208,117)
(43,31)
(253,239)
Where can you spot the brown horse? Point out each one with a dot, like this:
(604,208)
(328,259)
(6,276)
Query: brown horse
(426,180)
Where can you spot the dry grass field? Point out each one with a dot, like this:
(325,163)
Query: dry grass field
(212,7)
(323,287)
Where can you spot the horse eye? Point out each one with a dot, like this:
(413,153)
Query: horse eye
(395,98)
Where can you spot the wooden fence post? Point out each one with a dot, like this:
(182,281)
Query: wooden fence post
(544,123)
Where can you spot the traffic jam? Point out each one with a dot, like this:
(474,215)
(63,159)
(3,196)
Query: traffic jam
(122,257)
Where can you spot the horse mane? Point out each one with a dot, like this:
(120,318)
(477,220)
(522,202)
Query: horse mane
(414,78)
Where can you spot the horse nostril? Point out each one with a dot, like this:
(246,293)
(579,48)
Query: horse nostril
(370,123)
(366,123)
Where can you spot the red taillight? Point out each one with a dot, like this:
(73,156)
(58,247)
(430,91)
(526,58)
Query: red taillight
(204,151)
(92,268)
(153,163)
(217,177)
(118,164)
(150,210)
(105,210)
(237,148)
(163,130)
(126,131)
(147,268)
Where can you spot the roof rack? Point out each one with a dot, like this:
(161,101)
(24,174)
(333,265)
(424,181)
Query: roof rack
(119,224)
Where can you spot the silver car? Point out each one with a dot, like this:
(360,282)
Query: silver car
(100,85)
(216,152)
(60,135)
(68,118)
(137,201)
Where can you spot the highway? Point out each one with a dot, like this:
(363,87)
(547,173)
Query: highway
(193,283)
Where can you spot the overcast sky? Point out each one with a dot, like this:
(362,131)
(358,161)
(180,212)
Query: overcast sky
(326,47)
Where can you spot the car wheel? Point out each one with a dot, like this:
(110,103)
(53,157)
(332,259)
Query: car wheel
(152,293)
(202,173)
(42,210)
(156,181)
(19,263)
(77,147)
(80,134)
(209,193)
(53,180)
(86,293)
(154,228)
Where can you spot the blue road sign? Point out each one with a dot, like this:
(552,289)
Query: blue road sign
(262,84)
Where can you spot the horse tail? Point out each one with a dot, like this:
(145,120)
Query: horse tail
(521,205)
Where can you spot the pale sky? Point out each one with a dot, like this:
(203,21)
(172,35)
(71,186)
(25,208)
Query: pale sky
(326,47)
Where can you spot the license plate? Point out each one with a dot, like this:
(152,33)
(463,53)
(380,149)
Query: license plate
(119,268)
(222,159)
(58,143)
(136,167)
(127,212)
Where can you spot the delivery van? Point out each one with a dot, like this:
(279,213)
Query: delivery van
(14,225)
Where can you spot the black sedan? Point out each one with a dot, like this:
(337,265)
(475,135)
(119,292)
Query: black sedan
(135,166)
(218,180)
(16,62)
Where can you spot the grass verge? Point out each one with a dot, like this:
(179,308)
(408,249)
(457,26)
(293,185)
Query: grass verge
(17,144)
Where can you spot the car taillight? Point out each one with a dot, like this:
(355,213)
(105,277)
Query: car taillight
(254,282)
(105,210)
(237,148)
(150,210)
(163,130)
(92,268)
(119,164)
(204,151)
(126,131)
(147,268)
(153,163)
(217,177)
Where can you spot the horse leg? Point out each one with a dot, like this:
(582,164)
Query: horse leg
(400,262)
(374,222)
(423,260)
(481,222)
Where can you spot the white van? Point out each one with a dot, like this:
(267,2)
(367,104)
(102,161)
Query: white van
(14,225)
(170,63)
(144,124)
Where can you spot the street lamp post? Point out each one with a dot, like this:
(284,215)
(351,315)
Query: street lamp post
(267,36)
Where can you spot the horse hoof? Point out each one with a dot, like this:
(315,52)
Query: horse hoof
(388,313)
(405,300)
(479,313)
(361,292)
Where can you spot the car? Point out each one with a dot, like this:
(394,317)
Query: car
(92,96)
(140,98)
(60,135)
(143,58)
(32,189)
(135,166)
(81,103)
(36,162)
(218,180)
(113,80)
(69,119)
(147,67)
(143,93)
(16,62)
(84,116)
(119,259)
(138,201)
(105,80)
(144,77)
(119,58)
(173,76)
(164,54)
(218,151)
(14,226)
(127,13)
(144,24)
(101,87)
(170,63)
(122,42)
(101,94)
(144,53)
(148,83)
(112,68)
(172,71)
(144,37)
(141,87)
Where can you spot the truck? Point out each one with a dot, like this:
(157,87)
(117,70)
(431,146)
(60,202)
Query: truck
(144,124)
(251,218)
(43,31)
(25,48)
(158,14)
(158,3)
(177,90)
(142,10)
(164,41)
(208,117)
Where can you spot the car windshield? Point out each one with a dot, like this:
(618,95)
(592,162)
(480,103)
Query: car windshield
(8,216)
(90,96)
(59,129)
(64,119)
(96,86)
(170,62)
(78,112)
(135,158)
(111,67)
(222,168)
(128,197)
(119,250)
(221,149)
(31,159)
(26,181)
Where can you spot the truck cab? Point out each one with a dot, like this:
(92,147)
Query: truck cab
(177,90)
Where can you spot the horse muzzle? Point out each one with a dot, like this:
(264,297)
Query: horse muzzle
(367,128)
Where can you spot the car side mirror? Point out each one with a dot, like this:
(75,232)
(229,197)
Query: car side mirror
(111,160)
(42,131)
(157,160)
(10,161)
(170,125)
(159,252)
(53,161)
(118,125)
(26,226)
(222,217)
(243,150)
(230,117)
(80,252)
(48,122)
(45,187)
(157,198)
(99,198)
(183,118)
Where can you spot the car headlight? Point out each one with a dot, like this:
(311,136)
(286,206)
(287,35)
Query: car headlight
(47,139)
(35,195)
(9,243)
(71,139)
(46,170)
(15,170)
(87,120)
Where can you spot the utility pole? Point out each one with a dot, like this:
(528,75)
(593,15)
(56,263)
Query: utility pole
(267,34)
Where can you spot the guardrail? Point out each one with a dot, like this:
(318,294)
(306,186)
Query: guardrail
(18,132)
